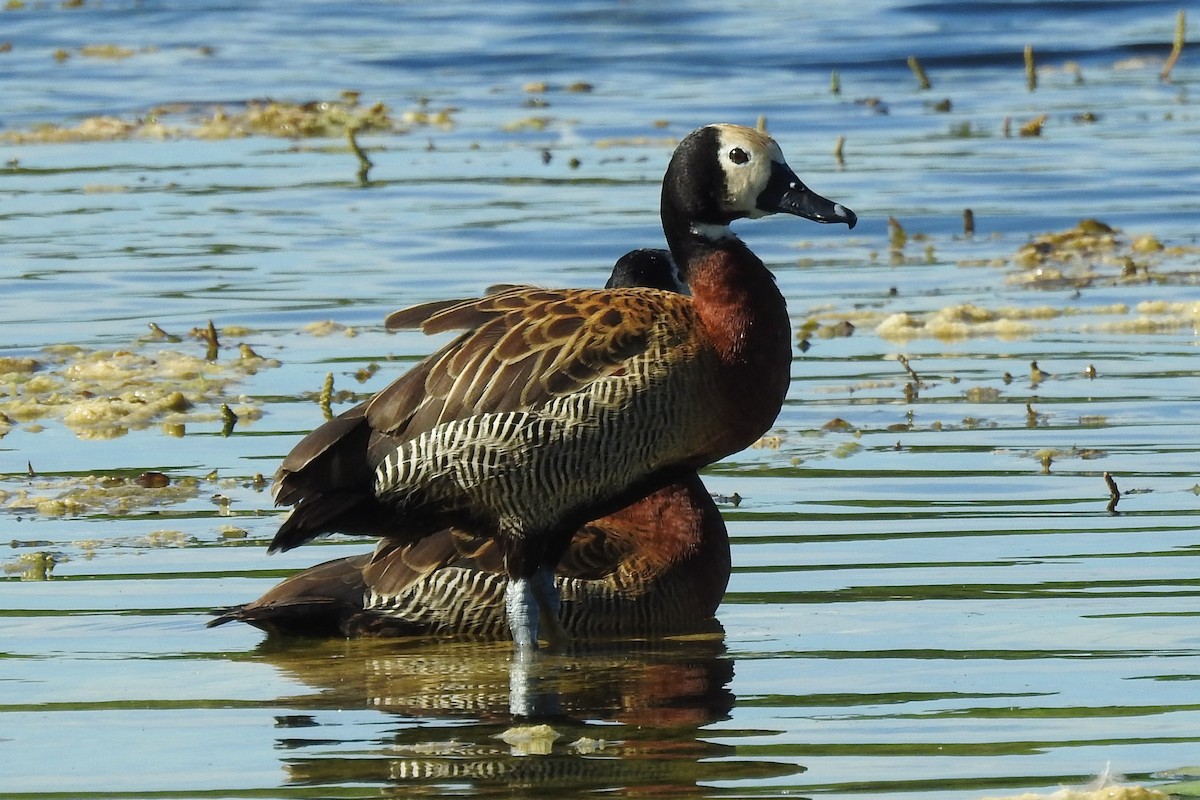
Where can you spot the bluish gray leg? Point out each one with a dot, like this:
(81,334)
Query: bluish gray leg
(532,604)
(521,608)
(549,605)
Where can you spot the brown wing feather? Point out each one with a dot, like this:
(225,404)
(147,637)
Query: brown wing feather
(521,349)
(596,551)
(316,602)
(393,567)
(415,316)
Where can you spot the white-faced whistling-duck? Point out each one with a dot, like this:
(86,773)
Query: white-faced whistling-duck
(656,567)
(554,407)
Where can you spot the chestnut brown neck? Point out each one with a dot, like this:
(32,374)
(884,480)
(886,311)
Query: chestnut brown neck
(747,327)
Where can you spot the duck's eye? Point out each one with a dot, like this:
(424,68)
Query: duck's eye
(738,156)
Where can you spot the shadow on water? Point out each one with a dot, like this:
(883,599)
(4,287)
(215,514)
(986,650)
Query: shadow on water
(631,716)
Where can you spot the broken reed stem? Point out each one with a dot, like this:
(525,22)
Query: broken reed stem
(1176,46)
(1034,126)
(835,83)
(158,333)
(897,236)
(1030,68)
(326,397)
(364,163)
(912,389)
(919,71)
(838,147)
(228,419)
(968,222)
(211,345)
(1113,492)
(761,124)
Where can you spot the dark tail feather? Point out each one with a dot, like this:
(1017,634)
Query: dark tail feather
(319,601)
(319,617)
(231,614)
(319,514)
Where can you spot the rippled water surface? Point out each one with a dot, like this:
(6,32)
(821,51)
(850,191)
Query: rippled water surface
(931,596)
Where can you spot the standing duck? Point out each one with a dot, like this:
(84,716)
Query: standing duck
(553,407)
(655,567)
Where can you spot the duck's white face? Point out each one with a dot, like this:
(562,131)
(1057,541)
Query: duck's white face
(758,181)
(745,156)
(720,173)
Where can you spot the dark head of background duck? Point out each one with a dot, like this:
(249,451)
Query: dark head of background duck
(648,268)
(724,172)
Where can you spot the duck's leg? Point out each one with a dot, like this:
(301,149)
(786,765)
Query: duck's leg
(532,605)
(549,605)
(521,608)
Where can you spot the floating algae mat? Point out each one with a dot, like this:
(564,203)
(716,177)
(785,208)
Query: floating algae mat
(109,494)
(314,119)
(1093,251)
(104,394)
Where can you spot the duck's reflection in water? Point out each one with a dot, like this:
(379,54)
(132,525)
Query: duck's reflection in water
(623,714)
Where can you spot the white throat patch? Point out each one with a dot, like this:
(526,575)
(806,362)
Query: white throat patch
(713,233)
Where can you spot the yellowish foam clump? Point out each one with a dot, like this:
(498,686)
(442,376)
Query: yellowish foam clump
(1163,307)
(165,538)
(21,366)
(772,442)
(1155,317)
(956,322)
(900,327)
(530,739)
(1141,325)
(327,328)
(983,394)
(1037,312)
(1147,244)
(586,745)
(114,52)
(37,566)
(968,320)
